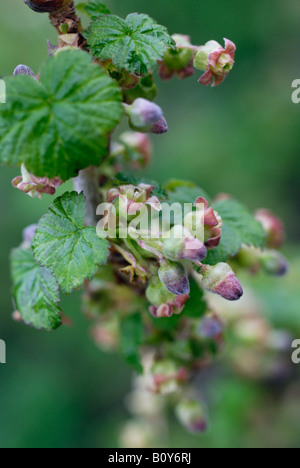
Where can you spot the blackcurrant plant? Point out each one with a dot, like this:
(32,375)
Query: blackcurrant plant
(145,292)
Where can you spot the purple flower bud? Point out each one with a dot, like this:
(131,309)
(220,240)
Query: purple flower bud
(220,279)
(174,277)
(211,327)
(143,114)
(274,263)
(192,416)
(273,227)
(164,303)
(24,70)
(160,127)
(179,244)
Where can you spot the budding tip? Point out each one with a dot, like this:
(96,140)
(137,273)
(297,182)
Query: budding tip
(160,127)
(23,70)
(230,288)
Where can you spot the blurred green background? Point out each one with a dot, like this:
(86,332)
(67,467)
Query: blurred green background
(59,390)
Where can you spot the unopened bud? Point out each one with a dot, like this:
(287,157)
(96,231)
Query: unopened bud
(220,279)
(205,223)
(192,416)
(143,114)
(46,6)
(164,303)
(274,263)
(24,70)
(174,277)
(179,244)
(211,327)
(160,127)
(273,227)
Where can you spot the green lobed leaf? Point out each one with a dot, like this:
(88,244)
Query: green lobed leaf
(71,251)
(239,227)
(185,193)
(35,291)
(135,43)
(61,124)
(93,8)
(132,336)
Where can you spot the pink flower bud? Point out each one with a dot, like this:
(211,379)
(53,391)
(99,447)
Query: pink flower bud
(192,416)
(220,279)
(179,244)
(143,114)
(160,127)
(273,227)
(174,277)
(216,61)
(208,227)
(35,186)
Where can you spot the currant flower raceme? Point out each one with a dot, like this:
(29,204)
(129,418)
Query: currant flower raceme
(216,61)
(123,276)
